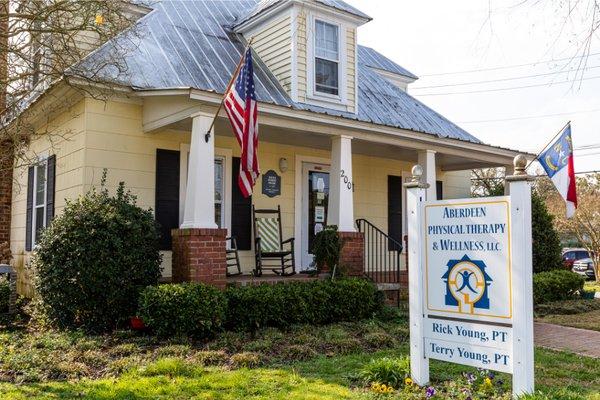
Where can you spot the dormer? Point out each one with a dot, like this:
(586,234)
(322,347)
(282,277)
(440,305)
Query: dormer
(310,46)
(386,68)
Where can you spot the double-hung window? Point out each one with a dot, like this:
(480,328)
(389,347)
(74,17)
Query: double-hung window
(40,189)
(327,58)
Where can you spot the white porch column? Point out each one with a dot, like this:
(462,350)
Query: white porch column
(427,162)
(341,202)
(199,209)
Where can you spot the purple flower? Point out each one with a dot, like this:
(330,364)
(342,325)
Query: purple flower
(491,375)
(430,392)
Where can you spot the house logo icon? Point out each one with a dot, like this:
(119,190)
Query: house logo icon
(467,285)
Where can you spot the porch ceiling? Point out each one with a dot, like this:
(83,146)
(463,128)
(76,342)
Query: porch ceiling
(302,138)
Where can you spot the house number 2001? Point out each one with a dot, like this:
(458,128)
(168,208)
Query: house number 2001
(349,184)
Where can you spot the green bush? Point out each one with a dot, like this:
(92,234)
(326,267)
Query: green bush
(187,309)
(326,248)
(388,371)
(556,285)
(94,259)
(317,302)
(4,295)
(547,250)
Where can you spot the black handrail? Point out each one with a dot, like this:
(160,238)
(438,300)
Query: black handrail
(382,254)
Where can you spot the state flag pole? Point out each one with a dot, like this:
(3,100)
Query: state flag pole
(231,81)
(548,144)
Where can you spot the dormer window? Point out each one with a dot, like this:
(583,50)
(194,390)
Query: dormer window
(327,58)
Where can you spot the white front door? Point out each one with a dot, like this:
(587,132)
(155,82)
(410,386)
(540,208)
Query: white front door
(315,198)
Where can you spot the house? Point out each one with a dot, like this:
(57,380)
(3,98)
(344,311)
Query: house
(337,127)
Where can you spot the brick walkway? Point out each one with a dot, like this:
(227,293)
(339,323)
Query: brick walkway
(580,341)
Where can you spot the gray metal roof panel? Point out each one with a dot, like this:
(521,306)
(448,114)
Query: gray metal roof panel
(189,44)
(373,58)
(264,5)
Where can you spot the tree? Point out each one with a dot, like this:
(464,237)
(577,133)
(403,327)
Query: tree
(546,242)
(43,42)
(585,224)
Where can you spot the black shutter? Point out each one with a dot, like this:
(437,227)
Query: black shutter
(50,189)
(167,194)
(241,211)
(29,217)
(439,189)
(394,210)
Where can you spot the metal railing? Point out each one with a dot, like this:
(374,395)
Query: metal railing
(383,254)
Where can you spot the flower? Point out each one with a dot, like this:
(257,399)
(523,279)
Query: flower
(408,381)
(390,389)
(430,392)
(99,20)
(487,381)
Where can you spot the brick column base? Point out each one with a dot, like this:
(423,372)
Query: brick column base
(352,256)
(199,256)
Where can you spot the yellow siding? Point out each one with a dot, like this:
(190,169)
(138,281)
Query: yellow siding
(274,46)
(301,56)
(67,142)
(351,68)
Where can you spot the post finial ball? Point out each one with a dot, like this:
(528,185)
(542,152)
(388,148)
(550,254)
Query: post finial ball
(520,163)
(417,171)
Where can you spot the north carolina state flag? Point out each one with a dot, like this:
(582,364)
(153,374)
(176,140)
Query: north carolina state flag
(557,160)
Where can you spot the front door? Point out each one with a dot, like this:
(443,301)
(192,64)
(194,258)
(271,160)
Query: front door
(315,199)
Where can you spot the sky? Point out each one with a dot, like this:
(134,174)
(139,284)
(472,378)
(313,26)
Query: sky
(502,40)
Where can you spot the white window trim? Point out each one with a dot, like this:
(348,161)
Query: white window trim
(42,162)
(226,155)
(339,101)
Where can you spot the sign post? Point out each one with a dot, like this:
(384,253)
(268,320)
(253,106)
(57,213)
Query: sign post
(470,280)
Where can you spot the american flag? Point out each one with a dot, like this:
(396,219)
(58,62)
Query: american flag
(240,105)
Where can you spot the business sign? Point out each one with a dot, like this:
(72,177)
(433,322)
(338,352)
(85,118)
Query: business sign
(470,283)
(468,259)
(271,183)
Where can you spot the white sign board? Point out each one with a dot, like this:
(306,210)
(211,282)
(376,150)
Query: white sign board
(467,260)
(470,283)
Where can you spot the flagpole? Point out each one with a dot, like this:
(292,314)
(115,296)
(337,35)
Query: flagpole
(235,74)
(548,144)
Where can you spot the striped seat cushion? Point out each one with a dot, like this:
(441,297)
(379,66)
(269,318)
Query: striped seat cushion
(268,232)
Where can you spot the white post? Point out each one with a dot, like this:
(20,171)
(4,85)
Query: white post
(415,196)
(341,203)
(522,279)
(427,162)
(199,209)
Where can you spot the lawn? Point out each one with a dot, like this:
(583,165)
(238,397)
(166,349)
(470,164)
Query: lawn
(583,314)
(302,363)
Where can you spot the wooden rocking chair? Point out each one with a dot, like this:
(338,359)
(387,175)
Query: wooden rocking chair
(232,258)
(268,244)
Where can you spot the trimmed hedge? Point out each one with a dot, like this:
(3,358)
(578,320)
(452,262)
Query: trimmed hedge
(187,309)
(198,310)
(4,295)
(556,285)
(315,302)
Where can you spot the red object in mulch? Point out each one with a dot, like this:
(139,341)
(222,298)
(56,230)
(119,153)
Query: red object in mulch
(137,324)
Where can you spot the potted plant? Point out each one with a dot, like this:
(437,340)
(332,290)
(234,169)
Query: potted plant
(327,246)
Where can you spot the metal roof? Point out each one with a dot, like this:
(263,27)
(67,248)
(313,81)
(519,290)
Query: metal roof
(373,58)
(190,44)
(263,5)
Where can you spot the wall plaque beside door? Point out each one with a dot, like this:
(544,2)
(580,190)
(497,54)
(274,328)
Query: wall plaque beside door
(271,183)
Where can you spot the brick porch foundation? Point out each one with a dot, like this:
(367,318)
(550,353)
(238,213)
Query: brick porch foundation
(352,257)
(199,256)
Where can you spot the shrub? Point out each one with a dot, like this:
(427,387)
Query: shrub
(547,251)
(94,259)
(245,360)
(316,303)
(4,295)
(388,371)
(556,285)
(187,309)
(567,307)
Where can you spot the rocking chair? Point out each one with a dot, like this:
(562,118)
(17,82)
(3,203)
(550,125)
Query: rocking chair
(232,258)
(268,245)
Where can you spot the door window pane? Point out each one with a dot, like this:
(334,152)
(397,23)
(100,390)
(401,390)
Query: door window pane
(318,200)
